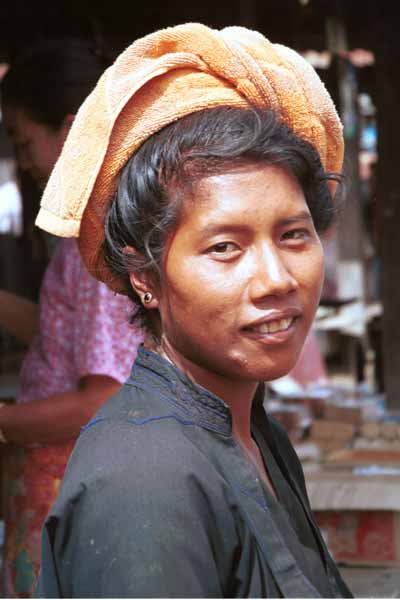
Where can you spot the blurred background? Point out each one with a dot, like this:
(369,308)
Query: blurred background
(354,47)
(342,404)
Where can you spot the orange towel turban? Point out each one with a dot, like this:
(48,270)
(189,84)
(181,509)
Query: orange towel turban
(157,80)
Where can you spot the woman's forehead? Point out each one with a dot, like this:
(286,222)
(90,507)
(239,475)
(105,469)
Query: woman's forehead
(229,197)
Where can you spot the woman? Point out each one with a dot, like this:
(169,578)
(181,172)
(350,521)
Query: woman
(206,208)
(81,344)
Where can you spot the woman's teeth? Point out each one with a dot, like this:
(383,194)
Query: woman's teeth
(273,326)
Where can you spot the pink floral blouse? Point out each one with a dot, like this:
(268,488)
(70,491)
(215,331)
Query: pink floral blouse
(84,330)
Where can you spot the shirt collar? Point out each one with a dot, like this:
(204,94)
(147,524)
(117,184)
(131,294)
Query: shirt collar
(205,408)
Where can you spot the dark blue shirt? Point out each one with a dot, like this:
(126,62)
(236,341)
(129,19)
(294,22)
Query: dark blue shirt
(158,500)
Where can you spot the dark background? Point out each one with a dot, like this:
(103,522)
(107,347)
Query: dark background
(297,23)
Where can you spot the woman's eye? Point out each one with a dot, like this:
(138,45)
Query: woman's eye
(297,235)
(224,248)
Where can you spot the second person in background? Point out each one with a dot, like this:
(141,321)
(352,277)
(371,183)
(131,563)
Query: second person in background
(81,343)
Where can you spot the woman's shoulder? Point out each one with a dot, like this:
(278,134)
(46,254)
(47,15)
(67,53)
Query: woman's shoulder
(137,492)
(134,438)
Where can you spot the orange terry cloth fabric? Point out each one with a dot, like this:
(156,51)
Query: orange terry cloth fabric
(157,80)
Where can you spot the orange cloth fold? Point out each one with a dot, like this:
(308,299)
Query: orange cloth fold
(157,80)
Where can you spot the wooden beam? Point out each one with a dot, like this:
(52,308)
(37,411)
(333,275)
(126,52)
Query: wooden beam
(387,53)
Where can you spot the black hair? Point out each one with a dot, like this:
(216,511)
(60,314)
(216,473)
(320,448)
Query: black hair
(148,200)
(52,79)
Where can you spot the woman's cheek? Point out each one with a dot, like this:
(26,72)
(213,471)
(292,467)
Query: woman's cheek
(309,273)
(316,275)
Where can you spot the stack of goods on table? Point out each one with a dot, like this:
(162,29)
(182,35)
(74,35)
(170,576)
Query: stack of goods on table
(343,418)
(334,419)
(350,447)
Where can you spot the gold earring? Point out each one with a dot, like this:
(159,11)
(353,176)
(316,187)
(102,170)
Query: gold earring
(148,297)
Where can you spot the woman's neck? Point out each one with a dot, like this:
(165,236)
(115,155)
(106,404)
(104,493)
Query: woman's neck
(237,394)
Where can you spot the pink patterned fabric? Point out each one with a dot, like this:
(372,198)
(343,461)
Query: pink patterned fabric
(84,330)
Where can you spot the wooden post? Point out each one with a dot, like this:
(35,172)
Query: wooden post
(387,54)
(350,231)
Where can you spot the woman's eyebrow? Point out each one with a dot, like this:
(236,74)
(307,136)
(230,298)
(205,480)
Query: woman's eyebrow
(209,230)
(304,215)
(218,228)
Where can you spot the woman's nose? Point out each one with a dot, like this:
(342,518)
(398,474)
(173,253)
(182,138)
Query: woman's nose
(271,276)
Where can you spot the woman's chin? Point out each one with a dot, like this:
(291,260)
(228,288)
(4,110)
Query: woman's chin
(257,371)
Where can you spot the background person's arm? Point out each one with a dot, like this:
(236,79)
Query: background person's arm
(18,316)
(58,417)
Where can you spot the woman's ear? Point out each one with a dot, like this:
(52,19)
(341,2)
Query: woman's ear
(143,283)
(144,289)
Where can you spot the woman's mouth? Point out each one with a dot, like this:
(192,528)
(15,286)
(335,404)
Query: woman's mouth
(271,326)
(275,331)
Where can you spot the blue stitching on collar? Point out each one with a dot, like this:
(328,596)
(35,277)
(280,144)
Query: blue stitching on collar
(139,421)
(150,388)
(160,418)
(221,428)
(92,422)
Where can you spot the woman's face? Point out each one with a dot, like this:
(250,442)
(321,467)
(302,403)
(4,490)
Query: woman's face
(37,145)
(242,276)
